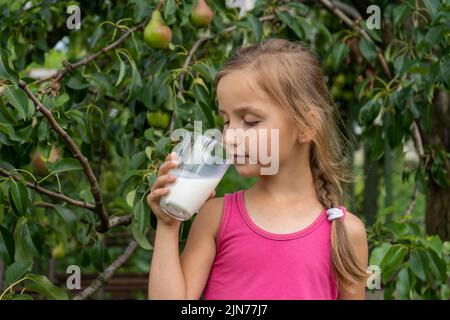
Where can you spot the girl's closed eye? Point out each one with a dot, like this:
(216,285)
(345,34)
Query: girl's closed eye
(251,123)
(246,122)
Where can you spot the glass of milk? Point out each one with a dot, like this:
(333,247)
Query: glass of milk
(202,162)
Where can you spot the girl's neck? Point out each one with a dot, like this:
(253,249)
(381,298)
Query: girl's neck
(293,182)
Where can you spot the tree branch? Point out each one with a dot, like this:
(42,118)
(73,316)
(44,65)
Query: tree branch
(338,12)
(69,67)
(412,203)
(348,9)
(95,189)
(120,220)
(106,275)
(55,195)
(113,221)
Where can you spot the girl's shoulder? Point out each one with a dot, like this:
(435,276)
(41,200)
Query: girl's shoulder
(356,232)
(354,225)
(210,214)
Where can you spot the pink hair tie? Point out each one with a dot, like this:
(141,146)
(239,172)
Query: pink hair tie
(334,213)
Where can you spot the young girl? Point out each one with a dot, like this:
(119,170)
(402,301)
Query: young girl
(287,237)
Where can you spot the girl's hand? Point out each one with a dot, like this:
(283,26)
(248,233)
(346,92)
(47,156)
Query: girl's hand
(160,189)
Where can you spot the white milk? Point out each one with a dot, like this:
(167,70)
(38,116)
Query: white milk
(187,194)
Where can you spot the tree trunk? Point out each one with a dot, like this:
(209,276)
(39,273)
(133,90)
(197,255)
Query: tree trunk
(438,198)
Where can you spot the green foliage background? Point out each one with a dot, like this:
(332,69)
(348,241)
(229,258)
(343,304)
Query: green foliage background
(103,106)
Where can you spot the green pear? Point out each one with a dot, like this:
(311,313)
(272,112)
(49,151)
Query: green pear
(157,34)
(202,14)
(158,119)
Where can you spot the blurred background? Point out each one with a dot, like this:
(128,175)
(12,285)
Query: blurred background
(91,90)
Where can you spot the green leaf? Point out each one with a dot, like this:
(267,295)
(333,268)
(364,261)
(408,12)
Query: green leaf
(376,143)
(169,9)
(32,238)
(138,159)
(291,23)
(445,292)
(434,35)
(121,72)
(378,253)
(360,88)
(19,195)
(402,285)
(256,27)
(140,222)
(76,82)
(7,247)
(98,256)
(368,49)
(67,164)
(205,69)
(66,214)
(6,115)
(6,72)
(62,99)
(22,296)
(18,99)
(418,264)
(162,146)
(22,251)
(96,36)
(147,96)
(369,111)
(203,100)
(433,7)
(391,261)
(338,55)
(8,130)
(17,270)
(436,265)
(136,77)
(400,13)
(373,33)
(102,81)
(142,8)
(43,131)
(48,102)
(40,284)
(435,243)
(28,240)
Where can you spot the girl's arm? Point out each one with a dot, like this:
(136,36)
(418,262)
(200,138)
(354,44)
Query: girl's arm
(358,239)
(175,277)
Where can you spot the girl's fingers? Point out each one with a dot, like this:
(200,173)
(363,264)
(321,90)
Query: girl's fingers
(166,166)
(156,194)
(161,181)
(213,194)
(171,156)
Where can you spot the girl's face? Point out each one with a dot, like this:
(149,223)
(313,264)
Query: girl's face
(248,113)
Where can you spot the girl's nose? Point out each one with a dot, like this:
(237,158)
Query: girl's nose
(234,139)
(231,136)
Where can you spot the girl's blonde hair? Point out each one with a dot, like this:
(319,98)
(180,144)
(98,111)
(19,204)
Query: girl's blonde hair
(292,76)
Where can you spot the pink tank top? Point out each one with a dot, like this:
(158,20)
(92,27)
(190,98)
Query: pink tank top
(255,264)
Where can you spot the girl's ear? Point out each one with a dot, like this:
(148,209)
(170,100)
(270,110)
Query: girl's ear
(304,137)
(313,120)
